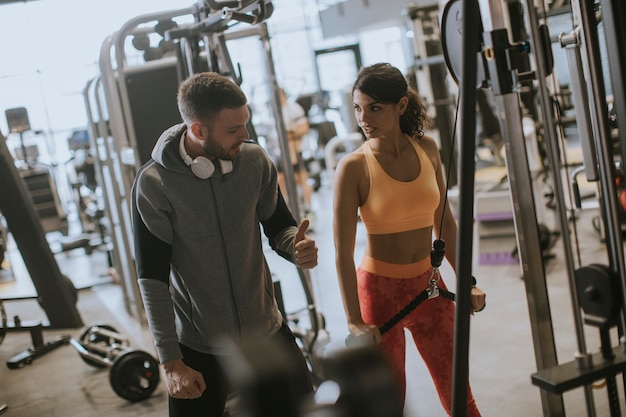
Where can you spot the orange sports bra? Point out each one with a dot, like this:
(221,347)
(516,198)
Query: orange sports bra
(394,206)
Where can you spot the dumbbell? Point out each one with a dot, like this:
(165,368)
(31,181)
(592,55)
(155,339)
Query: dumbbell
(133,374)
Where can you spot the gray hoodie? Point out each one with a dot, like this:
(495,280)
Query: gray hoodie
(203,276)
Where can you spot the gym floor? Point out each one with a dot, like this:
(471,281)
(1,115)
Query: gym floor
(501,347)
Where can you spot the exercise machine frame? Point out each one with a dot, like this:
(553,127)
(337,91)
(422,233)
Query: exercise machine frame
(497,56)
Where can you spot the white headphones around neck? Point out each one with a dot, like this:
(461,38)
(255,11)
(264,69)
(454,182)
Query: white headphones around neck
(201,166)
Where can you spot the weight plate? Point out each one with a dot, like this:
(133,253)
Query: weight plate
(452,42)
(599,292)
(134,375)
(90,337)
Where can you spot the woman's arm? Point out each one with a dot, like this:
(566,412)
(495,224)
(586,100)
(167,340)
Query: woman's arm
(446,230)
(345,216)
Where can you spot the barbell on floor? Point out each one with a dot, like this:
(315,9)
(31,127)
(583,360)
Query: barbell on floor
(133,374)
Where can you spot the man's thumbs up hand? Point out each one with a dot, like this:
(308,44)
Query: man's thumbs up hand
(305,249)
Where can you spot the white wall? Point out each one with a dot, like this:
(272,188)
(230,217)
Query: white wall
(50,50)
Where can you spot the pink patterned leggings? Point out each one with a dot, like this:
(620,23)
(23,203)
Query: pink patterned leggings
(384,289)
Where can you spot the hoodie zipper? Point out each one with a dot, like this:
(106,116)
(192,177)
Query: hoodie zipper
(236,316)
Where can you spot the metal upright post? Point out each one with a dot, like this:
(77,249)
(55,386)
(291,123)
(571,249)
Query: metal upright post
(467,83)
(98,133)
(55,292)
(582,356)
(615,32)
(430,74)
(520,181)
(292,191)
(613,17)
(305,276)
(614,12)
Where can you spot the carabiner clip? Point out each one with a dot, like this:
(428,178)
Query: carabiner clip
(433,290)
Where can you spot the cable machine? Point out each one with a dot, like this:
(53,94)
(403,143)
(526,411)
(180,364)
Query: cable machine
(597,291)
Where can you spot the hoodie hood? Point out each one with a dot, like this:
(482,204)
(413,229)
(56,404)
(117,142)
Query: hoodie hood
(165,151)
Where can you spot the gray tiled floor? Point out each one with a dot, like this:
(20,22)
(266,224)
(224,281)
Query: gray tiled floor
(501,350)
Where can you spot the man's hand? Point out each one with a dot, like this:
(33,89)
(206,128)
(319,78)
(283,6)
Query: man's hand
(183,382)
(305,249)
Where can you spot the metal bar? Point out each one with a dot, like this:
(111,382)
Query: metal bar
(614,13)
(305,277)
(132,24)
(613,17)
(583,118)
(292,191)
(467,93)
(99,131)
(55,295)
(117,91)
(582,356)
(88,355)
(218,4)
(530,255)
(115,143)
(430,75)
(595,84)
(525,218)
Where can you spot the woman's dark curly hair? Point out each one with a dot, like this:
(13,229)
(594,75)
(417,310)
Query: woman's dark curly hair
(386,84)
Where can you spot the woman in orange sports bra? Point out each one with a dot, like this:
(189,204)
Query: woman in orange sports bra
(395,180)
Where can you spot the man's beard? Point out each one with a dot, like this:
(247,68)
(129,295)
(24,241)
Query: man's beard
(212,148)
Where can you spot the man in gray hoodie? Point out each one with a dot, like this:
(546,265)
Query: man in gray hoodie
(198,207)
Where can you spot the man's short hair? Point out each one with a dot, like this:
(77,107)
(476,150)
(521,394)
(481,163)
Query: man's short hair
(201,96)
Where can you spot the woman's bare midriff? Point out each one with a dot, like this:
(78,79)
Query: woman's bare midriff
(400,248)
